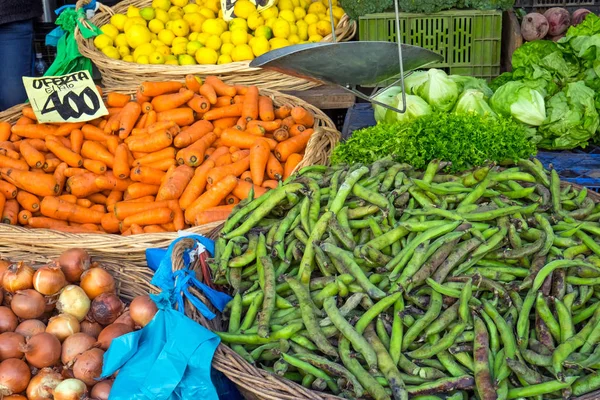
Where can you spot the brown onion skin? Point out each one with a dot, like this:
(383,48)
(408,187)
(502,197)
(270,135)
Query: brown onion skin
(96,281)
(31,327)
(88,366)
(1,294)
(18,277)
(91,328)
(106,308)
(110,332)
(14,397)
(3,267)
(75,345)
(142,310)
(14,376)
(8,320)
(101,390)
(126,319)
(62,326)
(49,280)
(73,263)
(42,350)
(11,344)
(28,304)
(41,385)
(61,394)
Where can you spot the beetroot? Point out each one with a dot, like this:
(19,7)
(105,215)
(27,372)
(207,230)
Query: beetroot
(534,27)
(559,20)
(578,16)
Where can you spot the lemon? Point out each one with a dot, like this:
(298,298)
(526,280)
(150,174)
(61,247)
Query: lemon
(288,15)
(153,36)
(166,37)
(212,27)
(179,40)
(263,31)
(124,50)
(102,41)
(270,13)
(281,29)
(220,14)
(164,50)
(133,11)
(179,48)
(315,38)
(148,13)
(227,48)
(323,28)
(312,30)
(174,16)
(195,20)
(180,28)
(162,15)
(206,56)
(170,57)
(156,58)
(226,37)
(302,32)
(169,26)
(203,37)
(214,42)
(239,37)
(242,52)
(296,3)
(270,22)
(138,35)
(277,43)
(161,4)
(118,20)
(305,3)
(338,12)
(110,30)
(193,36)
(224,59)
(186,59)
(285,5)
(311,19)
(120,40)
(293,29)
(111,52)
(143,50)
(260,46)
(192,47)
(250,37)
(255,20)
(214,5)
(208,13)
(171,62)
(243,8)
(156,26)
(128,58)
(294,39)
(238,23)
(223,23)
(191,8)
(317,8)
(180,3)
(299,13)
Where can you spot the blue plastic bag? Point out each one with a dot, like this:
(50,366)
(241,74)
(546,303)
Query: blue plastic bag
(171,357)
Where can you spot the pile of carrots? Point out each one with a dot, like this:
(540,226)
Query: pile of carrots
(175,155)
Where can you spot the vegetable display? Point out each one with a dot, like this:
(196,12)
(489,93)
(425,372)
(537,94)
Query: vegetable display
(382,281)
(175,156)
(54,346)
(359,8)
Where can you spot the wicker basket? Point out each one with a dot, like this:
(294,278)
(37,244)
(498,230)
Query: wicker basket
(126,76)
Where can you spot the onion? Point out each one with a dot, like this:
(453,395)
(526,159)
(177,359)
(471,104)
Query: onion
(50,303)
(3,267)
(41,386)
(11,344)
(96,281)
(142,310)
(88,366)
(14,397)
(62,326)
(1,294)
(31,327)
(49,279)
(8,320)
(18,277)
(14,376)
(101,390)
(73,263)
(70,389)
(106,308)
(74,301)
(126,319)
(28,304)
(110,332)
(42,350)
(75,345)
(91,328)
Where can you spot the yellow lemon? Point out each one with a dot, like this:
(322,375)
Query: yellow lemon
(334,2)
(243,8)
(102,41)
(133,11)
(288,15)
(143,60)
(250,37)
(214,5)
(277,43)
(338,12)
(305,3)
(311,19)
(220,14)
(270,13)
(312,30)
(238,23)
(195,20)
(214,42)
(128,58)
(178,49)
(180,3)
(242,52)
(186,59)
(171,62)
(255,20)
(293,29)
(224,59)
(111,52)
(170,57)
(118,20)
(299,13)
(203,37)
(174,16)
(124,50)
(193,36)
(315,38)
(162,4)
(206,56)
(212,27)
(270,22)
(223,23)
(148,13)
(180,28)
(156,26)
(260,46)
(285,5)
(153,36)
(169,26)
(226,37)
(301,22)
(166,37)
(227,48)
(207,13)
(294,39)
(179,40)
(133,21)
(302,32)
(263,31)
(281,29)
(121,40)
(317,8)
(164,50)
(193,47)
(239,36)
(143,50)
(110,30)
(323,28)
(138,35)
(191,8)
(162,15)
(156,58)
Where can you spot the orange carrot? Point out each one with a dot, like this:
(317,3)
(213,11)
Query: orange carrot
(2,203)
(209,152)
(209,93)
(224,101)
(259,156)
(236,169)
(108,181)
(291,164)
(140,97)
(69,172)
(85,203)
(53,207)
(82,185)
(152,89)
(268,126)
(28,112)
(193,155)
(295,144)
(68,127)
(224,123)
(265,108)
(274,168)
(220,87)
(170,101)
(281,134)
(113,123)
(193,83)
(218,152)
(250,107)
(241,123)
(8,190)
(238,99)
(114,99)
(193,133)
(112,143)
(283,112)
(95,166)
(181,116)
(98,198)
(90,132)
(24,121)
(59,175)
(112,111)
(196,185)
(270,184)
(178,216)
(126,209)
(296,129)
(4,131)
(121,163)
(141,122)
(69,198)
(23,217)
(156,216)
(110,223)
(169,126)
(211,198)
(234,110)
(138,190)
(231,199)
(224,159)
(131,112)
(241,90)
(246,176)
(154,229)
(214,214)
(76,140)
(163,164)
(63,153)
(151,143)
(148,175)
(114,197)
(33,182)
(96,151)
(256,130)
(33,157)
(28,201)
(287,123)
(303,117)
(151,118)
(147,107)
(242,190)
(199,104)
(38,131)
(243,140)
(175,183)
(51,164)
(46,223)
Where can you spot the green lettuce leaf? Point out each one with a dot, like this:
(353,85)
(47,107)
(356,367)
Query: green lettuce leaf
(473,101)
(521,102)
(388,97)
(439,90)
(469,82)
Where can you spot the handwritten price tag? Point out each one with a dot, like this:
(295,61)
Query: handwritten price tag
(228,5)
(65,98)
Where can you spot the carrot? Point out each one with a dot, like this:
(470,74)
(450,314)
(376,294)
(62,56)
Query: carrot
(274,168)
(152,89)
(54,207)
(126,232)
(68,127)
(113,123)
(112,111)
(147,107)
(199,104)
(193,155)
(250,107)
(10,153)
(8,190)
(90,132)
(241,90)
(108,181)
(231,199)
(82,185)
(287,123)
(224,123)
(259,156)
(24,121)
(95,166)
(175,183)
(63,153)
(114,99)
(114,197)
(28,112)
(151,143)
(112,143)
(4,131)
(211,198)
(76,139)
(126,209)
(181,116)
(281,134)
(170,101)
(151,118)
(28,201)
(140,97)
(193,83)
(98,198)
(51,164)
(283,112)
(110,223)
(46,223)
(137,190)
(246,176)
(270,184)
(23,217)
(265,108)
(256,130)
(303,116)
(169,126)
(2,203)
(234,110)
(243,140)
(32,182)
(178,217)
(291,164)
(69,172)
(196,185)
(220,87)
(121,162)
(156,216)
(38,131)
(80,229)
(293,145)
(141,122)
(236,169)
(96,151)
(193,133)
(85,203)
(208,91)
(238,99)
(131,112)
(224,159)
(242,190)
(224,101)
(33,157)
(170,227)
(59,175)
(69,198)
(148,175)
(214,214)
(163,164)
(154,229)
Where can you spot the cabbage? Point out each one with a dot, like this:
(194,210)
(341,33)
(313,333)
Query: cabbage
(439,90)
(415,107)
(388,97)
(469,82)
(414,81)
(473,101)
(521,102)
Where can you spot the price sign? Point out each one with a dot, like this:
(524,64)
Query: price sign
(228,5)
(65,98)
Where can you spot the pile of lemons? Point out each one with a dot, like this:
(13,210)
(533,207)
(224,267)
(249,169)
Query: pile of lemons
(179,32)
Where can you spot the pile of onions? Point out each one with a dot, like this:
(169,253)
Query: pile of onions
(49,280)
(11,345)
(73,263)
(101,390)
(70,389)
(14,376)
(42,385)
(75,345)
(42,350)
(28,304)
(91,328)
(30,327)
(74,301)
(110,332)
(88,366)
(106,308)
(8,320)
(96,281)
(17,277)
(62,326)
(142,310)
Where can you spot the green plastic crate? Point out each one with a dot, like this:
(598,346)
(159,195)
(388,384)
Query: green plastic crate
(469,40)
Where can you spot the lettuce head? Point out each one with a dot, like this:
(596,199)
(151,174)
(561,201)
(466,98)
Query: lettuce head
(473,101)
(521,102)
(439,91)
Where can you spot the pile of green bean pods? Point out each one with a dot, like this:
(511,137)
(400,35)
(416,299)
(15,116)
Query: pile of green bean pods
(379,281)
